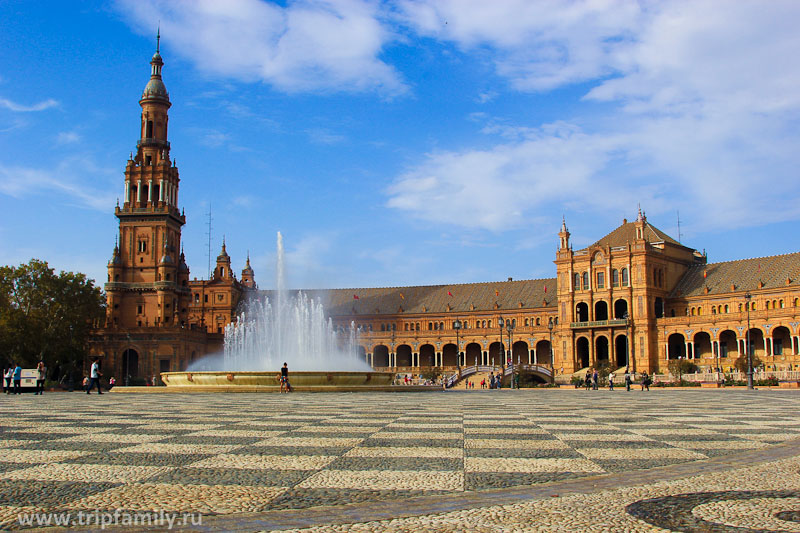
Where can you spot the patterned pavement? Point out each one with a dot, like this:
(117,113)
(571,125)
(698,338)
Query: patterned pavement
(255,453)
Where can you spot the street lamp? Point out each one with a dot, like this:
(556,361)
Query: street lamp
(550,326)
(457,327)
(747,297)
(627,341)
(510,360)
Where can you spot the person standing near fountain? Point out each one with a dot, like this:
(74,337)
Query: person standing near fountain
(285,378)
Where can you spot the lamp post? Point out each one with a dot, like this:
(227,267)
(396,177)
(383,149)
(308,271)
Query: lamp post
(747,297)
(550,326)
(510,360)
(457,327)
(627,341)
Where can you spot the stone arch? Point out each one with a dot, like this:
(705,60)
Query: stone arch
(601,349)
(473,354)
(450,355)
(380,356)
(676,346)
(582,312)
(702,345)
(497,353)
(781,340)
(519,352)
(728,346)
(601,310)
(582,352)
(403,355)
(427,355)
(543,353)
(621,351)
(757,343)
(620,308)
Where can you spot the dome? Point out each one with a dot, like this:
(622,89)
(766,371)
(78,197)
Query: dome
(156,58)
(166,260)
(155,88)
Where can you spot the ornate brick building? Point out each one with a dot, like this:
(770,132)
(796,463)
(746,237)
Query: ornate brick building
(635,298)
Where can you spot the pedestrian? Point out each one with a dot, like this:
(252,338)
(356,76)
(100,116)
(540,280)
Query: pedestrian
(645,381)
(588,379)
(94,377)
(17,378)
(595,379)
(285,386)
(611,382)
(85,383)
(42,372)
(9,374)
(627,381)
(111,383)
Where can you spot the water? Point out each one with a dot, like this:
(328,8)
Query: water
(291,329)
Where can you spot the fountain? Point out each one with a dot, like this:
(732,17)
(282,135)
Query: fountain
(288,328)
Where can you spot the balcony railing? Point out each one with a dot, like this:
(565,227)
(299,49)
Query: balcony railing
(598,324)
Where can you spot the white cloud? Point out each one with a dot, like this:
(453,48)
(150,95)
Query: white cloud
(68,137)
(324,136)
(20,182)
(308,45)
(700,106)
(20,108)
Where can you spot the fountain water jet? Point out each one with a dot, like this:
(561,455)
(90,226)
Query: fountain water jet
(290,329)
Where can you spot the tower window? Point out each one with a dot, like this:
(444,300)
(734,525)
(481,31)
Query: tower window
(142,246)
(149,129)
(148,160)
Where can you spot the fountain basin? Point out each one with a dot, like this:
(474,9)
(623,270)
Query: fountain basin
(243,381)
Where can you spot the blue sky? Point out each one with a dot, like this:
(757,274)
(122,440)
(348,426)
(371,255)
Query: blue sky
(408,142)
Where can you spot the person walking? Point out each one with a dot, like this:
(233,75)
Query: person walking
(627,380)
(611,382)
(595,379)
(94,377)
(17,378)
(645,381)
(111,383)
(42,373)
(9,374)
(588,381)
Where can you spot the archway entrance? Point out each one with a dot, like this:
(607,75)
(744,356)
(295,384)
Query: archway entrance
(427,355)
(601,350)
(620,309)
(473,354)
(520,353)
(130,363)
(380,356)
(677,346)
(450,355)
(621,351)
(582,352)
(601,311)
(403,355)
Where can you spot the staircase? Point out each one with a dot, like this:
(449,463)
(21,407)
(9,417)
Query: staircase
(474,378)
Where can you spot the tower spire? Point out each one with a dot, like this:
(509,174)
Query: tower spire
(158,38)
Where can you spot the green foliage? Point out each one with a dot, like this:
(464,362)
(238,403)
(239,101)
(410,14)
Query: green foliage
(576,380)
(679,367)
(46,316)
(741,363)
(432,374)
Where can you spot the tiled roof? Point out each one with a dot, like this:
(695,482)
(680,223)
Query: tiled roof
(744,275)
(626,233)
(507,295)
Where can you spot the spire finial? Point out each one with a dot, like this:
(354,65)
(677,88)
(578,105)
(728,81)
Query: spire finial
(563,223)
(639,217)
(158,37)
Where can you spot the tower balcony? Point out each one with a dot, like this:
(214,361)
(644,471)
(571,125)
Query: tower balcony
(151,142)
(597,324)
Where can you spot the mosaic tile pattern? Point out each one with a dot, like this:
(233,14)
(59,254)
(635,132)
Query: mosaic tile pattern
(232,453)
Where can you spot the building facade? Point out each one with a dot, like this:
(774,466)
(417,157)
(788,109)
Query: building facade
(636,298)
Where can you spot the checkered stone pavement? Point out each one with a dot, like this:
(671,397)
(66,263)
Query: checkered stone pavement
(231,453)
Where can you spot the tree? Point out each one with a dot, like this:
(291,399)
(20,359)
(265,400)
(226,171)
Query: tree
(46,316)
(679,367)
(741,363)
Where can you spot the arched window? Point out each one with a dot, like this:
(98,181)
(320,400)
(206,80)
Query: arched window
(430,326)
(615,278)
(538,321)
(526,321)
(483,324)
(780,303)
(766,304)
(713,310)
(577,282)
(601,280)
(149,130)
(726,308)
(692,311)
(406,327)
(585,279)
(441,325)
(624,277)
(699,311)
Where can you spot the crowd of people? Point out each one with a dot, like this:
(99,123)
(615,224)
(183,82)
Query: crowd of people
(592,380)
